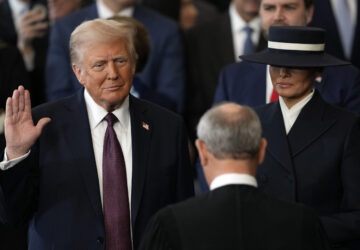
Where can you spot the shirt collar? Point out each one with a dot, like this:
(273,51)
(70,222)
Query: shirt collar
(297,107)
(104,12)
(229,179)
(97,113)
(17,6)
(237,23)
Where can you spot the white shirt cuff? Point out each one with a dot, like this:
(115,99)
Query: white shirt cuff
(5,164)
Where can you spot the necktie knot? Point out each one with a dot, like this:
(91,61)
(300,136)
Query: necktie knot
(248,30)
(111,119)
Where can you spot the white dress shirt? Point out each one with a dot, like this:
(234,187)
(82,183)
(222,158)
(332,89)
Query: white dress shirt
(233,178)
(238,34)
(104,12)
(98,126)
(290,115)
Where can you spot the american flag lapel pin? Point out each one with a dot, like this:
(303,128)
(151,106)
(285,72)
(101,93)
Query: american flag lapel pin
(145,126)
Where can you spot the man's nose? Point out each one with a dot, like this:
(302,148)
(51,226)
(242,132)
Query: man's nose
(279,14)
(113,72)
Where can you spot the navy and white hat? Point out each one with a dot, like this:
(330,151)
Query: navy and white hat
(295,46)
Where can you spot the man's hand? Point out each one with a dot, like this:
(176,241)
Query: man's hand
(20,132)
(32,26)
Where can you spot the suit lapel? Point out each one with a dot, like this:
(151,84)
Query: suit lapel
(7,26)
(141,131)
(309,125)
(82,148)
(274,132)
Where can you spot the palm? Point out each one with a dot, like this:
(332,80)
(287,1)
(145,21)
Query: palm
(20,132)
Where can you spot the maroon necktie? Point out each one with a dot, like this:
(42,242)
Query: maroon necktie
(115,192)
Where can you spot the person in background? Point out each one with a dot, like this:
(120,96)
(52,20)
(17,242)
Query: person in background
(213,45)
(235,214)
(61,8)
(341,20)
(105,162)
(23,23)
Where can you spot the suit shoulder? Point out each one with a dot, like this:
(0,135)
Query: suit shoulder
(243,66)
(152,20)
(75,18)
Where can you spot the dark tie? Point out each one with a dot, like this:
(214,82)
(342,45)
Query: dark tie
(115,192)
(248,44)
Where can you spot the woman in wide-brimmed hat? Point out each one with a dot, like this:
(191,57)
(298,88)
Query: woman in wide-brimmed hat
(313,154)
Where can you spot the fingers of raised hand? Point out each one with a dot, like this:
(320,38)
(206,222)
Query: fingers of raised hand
(18,104)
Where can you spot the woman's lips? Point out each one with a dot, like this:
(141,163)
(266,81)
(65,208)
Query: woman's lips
(284,84)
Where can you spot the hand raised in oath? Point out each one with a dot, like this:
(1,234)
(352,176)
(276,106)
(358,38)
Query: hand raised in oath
(20,131)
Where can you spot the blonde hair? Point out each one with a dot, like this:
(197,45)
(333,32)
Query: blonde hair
(99,31)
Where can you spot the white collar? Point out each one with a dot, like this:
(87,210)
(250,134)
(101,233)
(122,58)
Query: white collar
(97,113)
(237,23)
(104,12)
(233,178)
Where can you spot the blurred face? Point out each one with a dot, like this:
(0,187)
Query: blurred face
(106,72)
(284,13)
(292,84)
(60,8)
(247,9)
(188,14)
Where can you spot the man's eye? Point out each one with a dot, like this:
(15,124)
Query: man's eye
(269,8)
(290,7)
(120,61)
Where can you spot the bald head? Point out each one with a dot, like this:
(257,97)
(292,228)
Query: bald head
(230,131)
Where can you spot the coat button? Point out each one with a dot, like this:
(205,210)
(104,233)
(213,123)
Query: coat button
(100,240)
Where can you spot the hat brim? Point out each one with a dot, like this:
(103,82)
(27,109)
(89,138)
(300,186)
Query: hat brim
(294,60)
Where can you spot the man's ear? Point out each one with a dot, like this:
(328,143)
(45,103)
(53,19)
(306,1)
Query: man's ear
(77,72)
(262,151)
(309,14)
(201,147)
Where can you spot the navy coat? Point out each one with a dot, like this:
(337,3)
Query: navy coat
(317,164)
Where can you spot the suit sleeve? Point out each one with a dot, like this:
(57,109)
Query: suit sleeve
(352,95)
(58,69)
(171,76)
(345,225)
(18,191)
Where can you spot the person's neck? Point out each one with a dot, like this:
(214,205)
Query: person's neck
(115,7)
(230,166)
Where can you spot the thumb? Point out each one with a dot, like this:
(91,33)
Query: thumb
(42,122)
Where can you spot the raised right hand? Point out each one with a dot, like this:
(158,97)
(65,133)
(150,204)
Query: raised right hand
(20,132)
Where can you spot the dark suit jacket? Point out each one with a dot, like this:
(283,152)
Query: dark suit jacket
(324,17)
(57,185)
(209,49)
(164,71)
(245,83)
(235,217)
(316,164)
(9,35)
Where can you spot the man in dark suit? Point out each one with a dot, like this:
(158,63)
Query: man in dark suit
(212,46)
(325,17)
(86,181)
(249,84)
(235,214)
(164,71)
(313,147)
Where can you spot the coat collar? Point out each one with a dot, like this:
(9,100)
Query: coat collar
(309,125)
